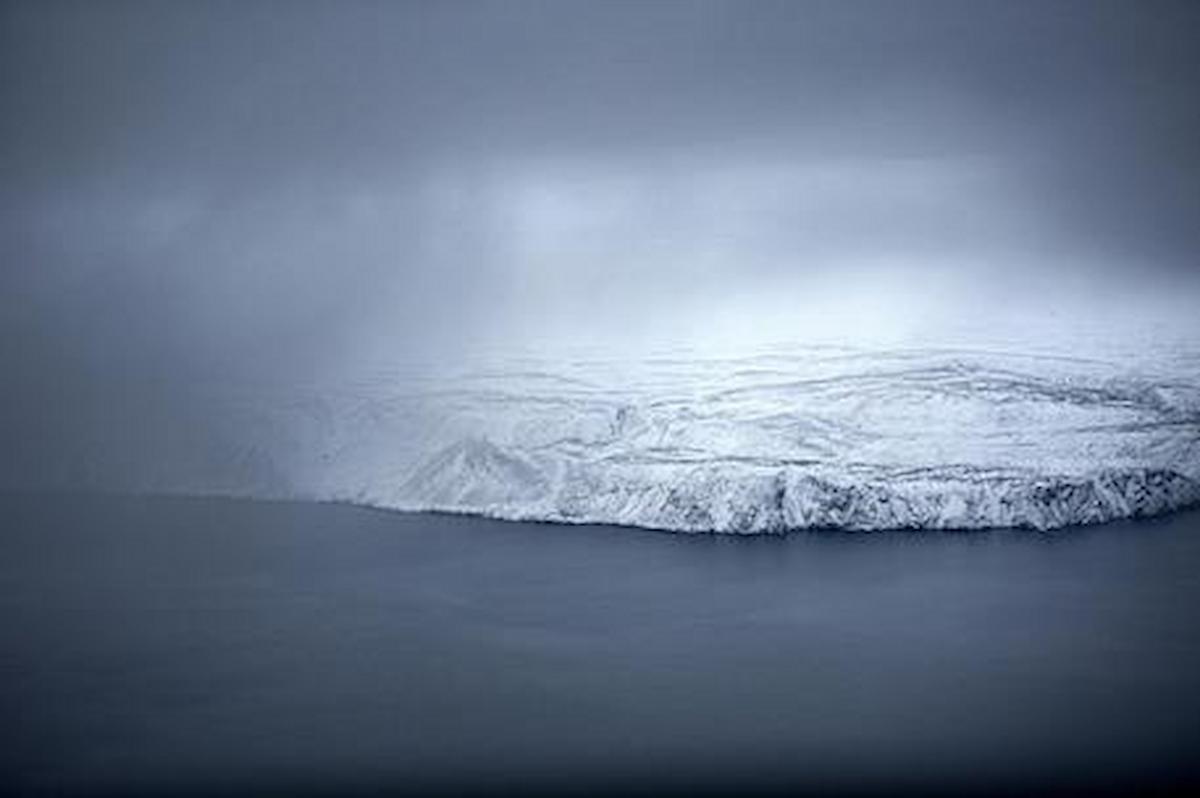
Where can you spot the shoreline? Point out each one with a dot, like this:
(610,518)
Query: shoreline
(1066,529)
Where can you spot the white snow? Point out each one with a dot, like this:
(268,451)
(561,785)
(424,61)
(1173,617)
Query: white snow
(780,439)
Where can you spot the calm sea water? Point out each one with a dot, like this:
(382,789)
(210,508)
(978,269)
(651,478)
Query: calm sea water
(205,646)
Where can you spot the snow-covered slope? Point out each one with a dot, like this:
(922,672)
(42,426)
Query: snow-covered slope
(781,439)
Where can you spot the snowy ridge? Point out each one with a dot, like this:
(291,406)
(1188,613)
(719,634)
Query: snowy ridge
(780,440)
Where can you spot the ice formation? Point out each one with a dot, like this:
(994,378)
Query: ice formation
(780,440)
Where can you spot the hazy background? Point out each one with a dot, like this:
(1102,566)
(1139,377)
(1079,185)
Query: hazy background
(219,190)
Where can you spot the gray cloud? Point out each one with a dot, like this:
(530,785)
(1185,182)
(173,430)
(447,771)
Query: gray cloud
(207,190)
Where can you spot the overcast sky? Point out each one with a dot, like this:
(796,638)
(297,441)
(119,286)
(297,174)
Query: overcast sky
(216,188)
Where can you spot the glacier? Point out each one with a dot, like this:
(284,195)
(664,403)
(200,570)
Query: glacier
(780,439)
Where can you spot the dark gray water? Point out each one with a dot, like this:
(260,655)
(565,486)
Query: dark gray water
(194,645)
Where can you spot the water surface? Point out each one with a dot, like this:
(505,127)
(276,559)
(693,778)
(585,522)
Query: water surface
(156,645)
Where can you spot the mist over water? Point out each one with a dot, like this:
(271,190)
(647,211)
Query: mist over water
(229,193)
(763,269)
(220,190)
(308,193)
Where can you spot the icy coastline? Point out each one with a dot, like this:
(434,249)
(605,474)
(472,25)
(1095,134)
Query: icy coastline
(775,441)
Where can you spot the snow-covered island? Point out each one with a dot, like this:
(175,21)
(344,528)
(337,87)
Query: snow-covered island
(785,438)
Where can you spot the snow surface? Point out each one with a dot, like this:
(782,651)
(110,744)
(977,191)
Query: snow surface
(782,439)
